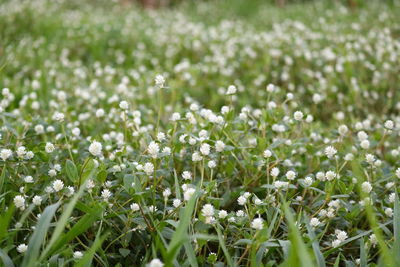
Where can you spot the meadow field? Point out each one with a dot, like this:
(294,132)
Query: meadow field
(205,133)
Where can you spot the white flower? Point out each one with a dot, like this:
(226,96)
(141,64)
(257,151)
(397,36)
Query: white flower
(153,149)
(219,146)
(314,222)
(373,240)
(175,116)
(274,172)
(37,200)
(298,115)
(308,181)
(330,175)
(366,187)
(161,136)
(124,105)
(156,263)
(211,164)
(58,117)
(341,235)
(290,175)
(349,157)
(343,129)
(166,193)
(21,151)
(398,172)
(207,210)
(242,200)
(270,88)
(106,194)
(95,148)
(364,144)
(159,81)
(389,124)
(231,90)
(389,212)
(49,147)
(100,113)
(135,207)
(22,248)
(205,149)
(336,243)
(28,179)
(188,194)
(148,168)
(196,157)
(176,202)
(267,153)
(222,214)
(187,175)
(257,224)
(19,202)
(77,255)
(58,185)
(330,151)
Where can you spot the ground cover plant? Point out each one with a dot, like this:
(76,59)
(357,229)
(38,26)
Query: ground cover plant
(221,135)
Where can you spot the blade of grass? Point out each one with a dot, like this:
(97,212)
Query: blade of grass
(6,259)
(223,247)
(42,227)
(315,244)
(297,244)
(180,235)
(62,222)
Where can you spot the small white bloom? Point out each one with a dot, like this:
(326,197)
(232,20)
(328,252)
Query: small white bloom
(37,200)
(231,90)
(298,115)
(19,202)
(95,148)
(106,194)
(222,214)
(49,147)
(267,153)
(148,168)
(124,105)
(314,222)
(159,81)
(22,248)
(77,255)
(135,207)
(330,151)
(257,224)
(156,263)
(58,185)
(366,187)
(207,210)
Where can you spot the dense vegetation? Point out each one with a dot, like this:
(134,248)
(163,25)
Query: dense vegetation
(217,134)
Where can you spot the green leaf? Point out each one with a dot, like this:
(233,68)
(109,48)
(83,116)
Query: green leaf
(2,178)
(71,170)
(223,247)
(315,244)
(180,236)
(124,252)
(298,250)
(5,219)
(88,256)
(363,254)
(6,259)
(41,229)
(62,222)
(396,229)
(87,170)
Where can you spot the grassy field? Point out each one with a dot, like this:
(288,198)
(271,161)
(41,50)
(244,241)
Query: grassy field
(217,133)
